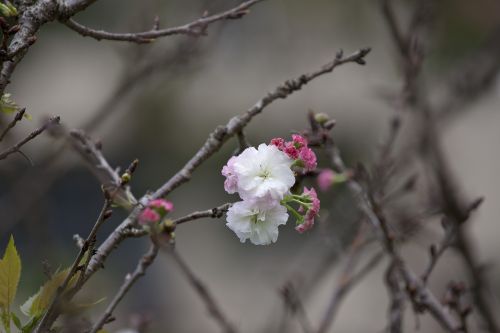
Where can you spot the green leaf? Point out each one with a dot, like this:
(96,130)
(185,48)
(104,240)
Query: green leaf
(16,321)
(8,106)
(27,307)
(5,316)
(38,303)
(30,326)
(10,273)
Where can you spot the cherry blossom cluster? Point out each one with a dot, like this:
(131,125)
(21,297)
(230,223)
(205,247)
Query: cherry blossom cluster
(298,151)
(155,211)
(263,177)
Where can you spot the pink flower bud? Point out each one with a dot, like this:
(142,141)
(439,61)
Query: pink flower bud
(291,150)
(149,216)
(308,156)
(325,179)
(299,141)
(278,142)
(163,205)
(311,213)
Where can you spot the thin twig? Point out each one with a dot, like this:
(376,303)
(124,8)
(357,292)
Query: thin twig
(202,290)
(437,251)
(374,215)
(347,281)
(130,279)
(53,309)
(294,304)
(195,28)
(15,148)
(18,117)
(216,212)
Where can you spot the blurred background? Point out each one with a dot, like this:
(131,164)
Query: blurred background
(159,102)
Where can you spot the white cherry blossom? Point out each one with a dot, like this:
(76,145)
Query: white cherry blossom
(263,173)
(256,220)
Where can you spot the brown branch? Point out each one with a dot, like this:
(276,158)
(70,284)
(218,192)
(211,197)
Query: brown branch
(30,20)
(97,163)
(452,204)
(54,309)
(347,281)
(293,302)
(215,213)
(130,279)
(15,148)
(374,215)
(195,28)
(396,293)
(18,117)
(471,78)
(437,251)
(201,289)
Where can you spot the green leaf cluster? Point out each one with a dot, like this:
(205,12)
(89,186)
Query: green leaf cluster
(35,307)
(7,9)
(7,105)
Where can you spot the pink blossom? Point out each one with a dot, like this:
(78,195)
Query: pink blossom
(311,212)
(162,204)
(314,198)
(299,141)
(278,142)
(291,151)
(325,179)
(307,225)
(148,216)
(231,182)
(308,156)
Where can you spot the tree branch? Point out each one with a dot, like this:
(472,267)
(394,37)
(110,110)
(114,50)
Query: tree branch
(204,293)
(18,117)
(15,148)
(130,279)
(216,212)
(195,28)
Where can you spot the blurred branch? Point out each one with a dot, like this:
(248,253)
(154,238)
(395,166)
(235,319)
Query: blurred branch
(397,298)
(455,208)
(292,301)
(202,291)
(87,246)
(183,54)
(347,281)
(367,205)
(15,148)
(196,28)
(130,279)
(436,252)
(471,78)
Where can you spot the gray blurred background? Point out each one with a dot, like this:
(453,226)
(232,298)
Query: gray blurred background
(163,115)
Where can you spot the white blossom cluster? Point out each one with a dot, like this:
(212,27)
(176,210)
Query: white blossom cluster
(262,177)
